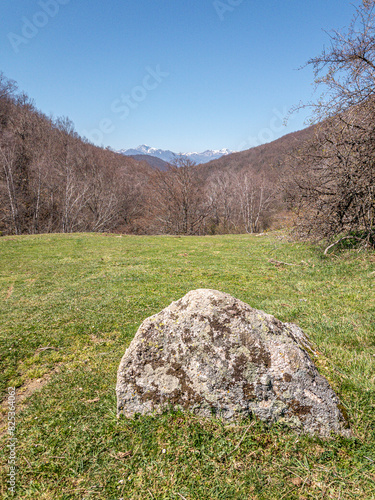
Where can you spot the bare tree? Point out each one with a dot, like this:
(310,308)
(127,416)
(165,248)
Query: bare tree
(254,198)
(8,162)
(221,197)
(7,94)
(178,197)
(15,154)
(334,174)
(333,180)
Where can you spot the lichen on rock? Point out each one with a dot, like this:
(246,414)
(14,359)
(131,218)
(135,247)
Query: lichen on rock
(210,353)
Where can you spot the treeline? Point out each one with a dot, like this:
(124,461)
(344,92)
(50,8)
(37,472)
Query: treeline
(52,180)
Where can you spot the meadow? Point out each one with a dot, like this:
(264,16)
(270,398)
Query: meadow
(71,304)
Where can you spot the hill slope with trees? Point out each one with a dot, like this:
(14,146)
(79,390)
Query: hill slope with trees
(52,180)
(266,159)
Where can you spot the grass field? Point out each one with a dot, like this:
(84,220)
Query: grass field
(70,305)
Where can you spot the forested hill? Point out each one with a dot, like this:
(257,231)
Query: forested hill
(51,180)
(153,161)
(266,159)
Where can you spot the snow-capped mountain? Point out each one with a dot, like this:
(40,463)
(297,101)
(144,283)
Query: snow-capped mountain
(168,155)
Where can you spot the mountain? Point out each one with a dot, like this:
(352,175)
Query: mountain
(168,156)
(162,154)
(208,155)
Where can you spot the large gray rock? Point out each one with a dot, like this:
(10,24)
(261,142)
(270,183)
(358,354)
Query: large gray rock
(213,354)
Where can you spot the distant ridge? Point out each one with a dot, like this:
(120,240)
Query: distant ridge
(153,161)
(168,156)
(266,159)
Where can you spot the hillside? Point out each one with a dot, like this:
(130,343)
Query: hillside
(265,159)
(52,180)
(153,161)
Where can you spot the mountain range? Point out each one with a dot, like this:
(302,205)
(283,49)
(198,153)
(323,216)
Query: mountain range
(168,156)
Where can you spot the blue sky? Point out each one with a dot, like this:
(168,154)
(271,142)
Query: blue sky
(180,75)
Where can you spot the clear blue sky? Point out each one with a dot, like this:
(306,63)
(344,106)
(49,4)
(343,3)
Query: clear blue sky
(180,75)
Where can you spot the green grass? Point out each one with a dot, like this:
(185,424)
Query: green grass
(86,295)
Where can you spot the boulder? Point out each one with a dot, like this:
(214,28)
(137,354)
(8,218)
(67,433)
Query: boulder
(212,354)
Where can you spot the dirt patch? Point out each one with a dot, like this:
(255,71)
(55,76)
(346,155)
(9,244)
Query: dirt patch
(22,394)
(96,339)
(10,291)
